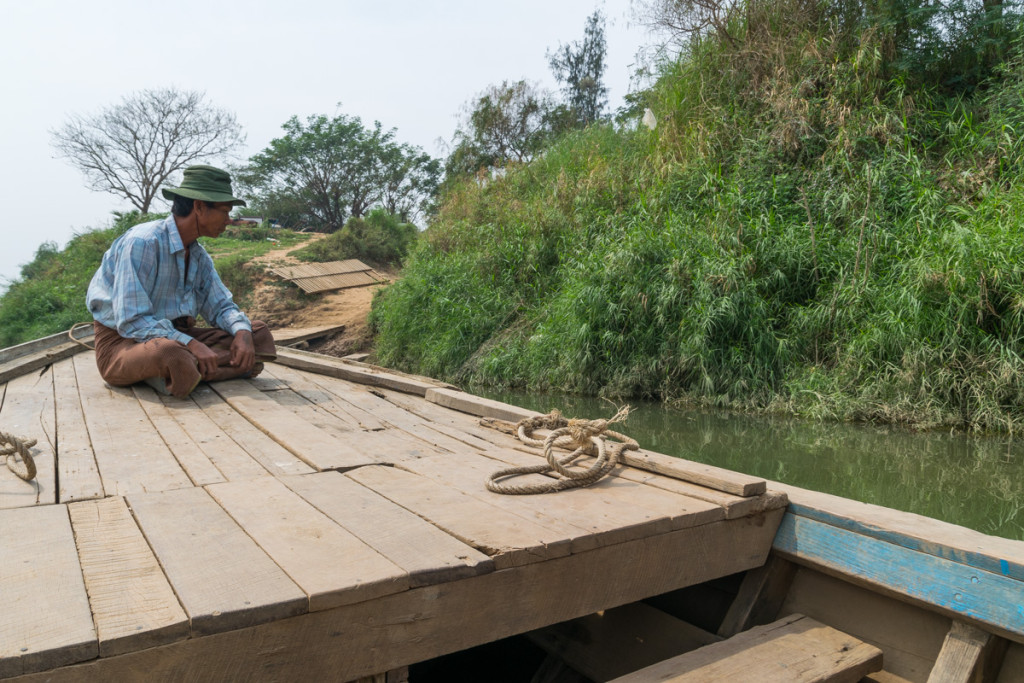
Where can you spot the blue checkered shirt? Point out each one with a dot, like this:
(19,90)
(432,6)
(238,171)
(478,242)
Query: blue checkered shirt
(140,287)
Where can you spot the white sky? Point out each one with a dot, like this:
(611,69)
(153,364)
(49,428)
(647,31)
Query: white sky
(409,64)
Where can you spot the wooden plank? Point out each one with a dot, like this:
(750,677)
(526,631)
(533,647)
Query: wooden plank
(193,460)
(426,553)
(222,578)
(618,641)
(133,606)
(28,413)
(291,335)
(910,636)
(477,405)
(130,453)
(355,372)
(260,447)
(331,565)
(313,389)
(23,364)
(796,649)
(508,538)
(969,655)
(734,506)
(83,333)
(381,635)
(78,475)
(585,518)
(44,611)
(679,509)
(312,445)
(950,587)
(232,462)
(923,534)
(760,597)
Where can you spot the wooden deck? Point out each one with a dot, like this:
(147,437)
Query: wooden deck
(325,520)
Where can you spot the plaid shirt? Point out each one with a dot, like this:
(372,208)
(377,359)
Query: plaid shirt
(140,286)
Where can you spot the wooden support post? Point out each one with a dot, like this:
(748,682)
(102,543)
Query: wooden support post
(760,596)
(969,655)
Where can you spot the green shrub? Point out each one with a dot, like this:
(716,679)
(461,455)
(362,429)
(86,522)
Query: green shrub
(379,239)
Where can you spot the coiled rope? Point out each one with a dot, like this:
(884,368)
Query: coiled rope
(12,446)
(585,437)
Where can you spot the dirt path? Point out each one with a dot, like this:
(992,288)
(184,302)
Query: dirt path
(284,306)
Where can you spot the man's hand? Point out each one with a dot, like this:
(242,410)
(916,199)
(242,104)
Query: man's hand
(243,353)
(206,356)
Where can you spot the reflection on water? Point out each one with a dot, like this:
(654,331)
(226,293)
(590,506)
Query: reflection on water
(978,483)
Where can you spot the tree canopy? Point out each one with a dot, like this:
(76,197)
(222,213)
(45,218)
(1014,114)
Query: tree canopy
(579,68)
(133,148)
(325,170)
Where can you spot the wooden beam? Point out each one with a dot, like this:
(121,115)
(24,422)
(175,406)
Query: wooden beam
(78,475)
(968,655)
(356,372)
(381,635)
(760,597)
(477,405)
(795,649)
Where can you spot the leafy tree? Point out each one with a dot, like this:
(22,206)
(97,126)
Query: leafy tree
(579,68)
(133,148)
(505,123)
(323,170)
(380,239)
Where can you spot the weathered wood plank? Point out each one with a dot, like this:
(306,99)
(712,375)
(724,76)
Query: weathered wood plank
(477,405)
(18,365)
(28,413)
(796,649)
(969,655)
(508,538)
(130,453)
(355,372)
(331,565)
(315,389)
(44,611)
(934,537)
(404,628)
(619,641)
(309,443)
(587,521)
(264,450)
(133,606)
(909,635)
(50,342)
(222,578)
(950,587)
(231,460)
(193,460)
(426,553)
(760,597)
(78,475)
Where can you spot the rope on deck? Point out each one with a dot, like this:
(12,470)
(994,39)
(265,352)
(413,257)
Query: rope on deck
(12,446)
(585,437)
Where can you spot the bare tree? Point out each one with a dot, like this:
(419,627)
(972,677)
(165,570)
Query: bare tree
(689,18)
(131,149)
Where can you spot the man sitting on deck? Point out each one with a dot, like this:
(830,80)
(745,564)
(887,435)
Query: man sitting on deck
(153,282)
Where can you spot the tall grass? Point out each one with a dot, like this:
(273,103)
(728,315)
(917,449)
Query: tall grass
(809,230)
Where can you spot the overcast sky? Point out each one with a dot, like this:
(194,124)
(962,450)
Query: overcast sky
(409,64)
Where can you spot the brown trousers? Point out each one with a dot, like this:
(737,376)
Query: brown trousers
(124,361)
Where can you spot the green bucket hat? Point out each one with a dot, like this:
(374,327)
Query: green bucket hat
(207,183)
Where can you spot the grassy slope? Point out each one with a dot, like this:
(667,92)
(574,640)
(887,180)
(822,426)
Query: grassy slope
(805,231)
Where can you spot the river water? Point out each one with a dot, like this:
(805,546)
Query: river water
(971,481)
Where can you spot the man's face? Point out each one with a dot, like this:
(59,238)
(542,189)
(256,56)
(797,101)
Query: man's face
(212,218)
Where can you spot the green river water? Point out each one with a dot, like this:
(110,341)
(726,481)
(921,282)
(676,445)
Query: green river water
(974,482)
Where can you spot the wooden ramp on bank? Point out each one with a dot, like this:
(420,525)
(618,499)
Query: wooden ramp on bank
(326,520)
